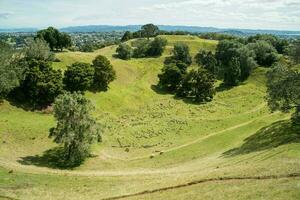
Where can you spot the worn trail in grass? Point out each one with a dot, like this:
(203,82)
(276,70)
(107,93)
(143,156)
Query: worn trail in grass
(152,140)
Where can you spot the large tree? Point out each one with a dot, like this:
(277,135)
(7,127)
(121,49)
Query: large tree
(266,54)
(42,84)
(283,90)
(127,36)
(78,77)
(207,60)
(156,47)
(38,49)
(104,73)
(10,71)
(181,52)
(198,84)
(54,38)
(124,51)
(76,129)
(150,30)
(170,77)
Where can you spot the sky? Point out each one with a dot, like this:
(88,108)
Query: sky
(253,14)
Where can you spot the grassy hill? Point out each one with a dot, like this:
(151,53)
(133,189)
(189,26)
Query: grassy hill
(232,147)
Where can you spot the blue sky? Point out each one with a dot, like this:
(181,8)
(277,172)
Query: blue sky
(254,14)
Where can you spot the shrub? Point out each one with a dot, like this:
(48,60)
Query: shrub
(103,73)
(78,77)
(124,52)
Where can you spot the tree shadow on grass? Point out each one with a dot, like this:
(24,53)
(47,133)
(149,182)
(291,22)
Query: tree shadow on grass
(51,158)
(277,134)
(160,90)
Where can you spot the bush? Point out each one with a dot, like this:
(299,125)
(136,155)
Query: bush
(266,54)
(156,47)
(78,77)
(103,73)
(124,52)
(207,60)
(170,77)
(42,84)
(198,84)
(141,49)
(181,52)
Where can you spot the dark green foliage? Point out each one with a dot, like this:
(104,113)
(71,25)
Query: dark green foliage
(54,38)
(232,72)
(295,51)
(198,84)
(283,90)
(78,77)
(156,47)
(124,51)
(170,77)
(141,48)
(10,71)
(38,49)
(226,50)
(181,52)
(42,84)
(127,36)
(149,30)
(280,45)
(266,54)
(235,61)
(247,62)
(207,60)
(76,129)
(104,73)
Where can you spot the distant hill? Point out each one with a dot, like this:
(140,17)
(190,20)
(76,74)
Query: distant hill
(192,29)
(19,30)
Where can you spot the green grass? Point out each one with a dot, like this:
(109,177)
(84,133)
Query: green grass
(170,141)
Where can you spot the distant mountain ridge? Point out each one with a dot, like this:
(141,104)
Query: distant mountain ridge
(192,29)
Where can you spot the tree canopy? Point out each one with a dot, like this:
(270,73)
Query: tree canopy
(283,90)
(124,51)
(76,129)
(103,73)
(54,38)
(149,30)
(78,77)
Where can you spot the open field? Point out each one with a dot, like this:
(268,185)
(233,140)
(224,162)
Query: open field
(152,140)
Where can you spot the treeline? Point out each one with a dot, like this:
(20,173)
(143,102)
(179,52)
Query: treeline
(29,78)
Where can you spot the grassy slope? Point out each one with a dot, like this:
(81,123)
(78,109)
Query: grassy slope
(235,135)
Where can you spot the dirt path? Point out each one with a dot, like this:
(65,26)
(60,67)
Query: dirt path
(294,175)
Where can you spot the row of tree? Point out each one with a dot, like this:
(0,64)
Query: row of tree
(197,84)
(28,75)
(142,48)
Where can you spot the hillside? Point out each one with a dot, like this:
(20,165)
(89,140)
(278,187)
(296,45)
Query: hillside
(230,148)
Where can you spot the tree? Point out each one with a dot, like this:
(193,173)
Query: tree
(124,51)
(266,54)
(156,47)
(38,49)
(10,71)
(127,36)
(41,84)
(207,60)
(141,48)
(78,77)
(76,129)
(170,77)
(64,41)
(247,62)
(104,73)
(295,51)
(150,30)
(181,52)
(232,72)
(198,84)
(54,38)
(226,50)
(283,90)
